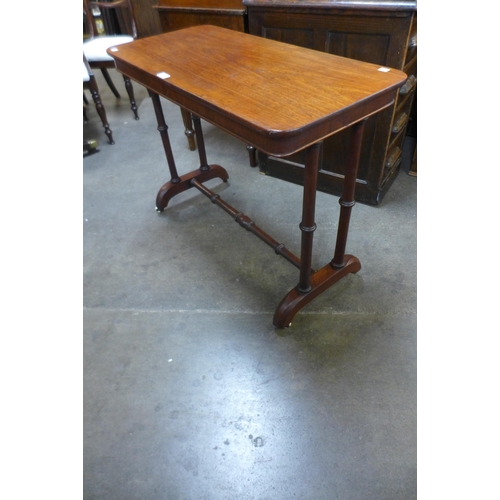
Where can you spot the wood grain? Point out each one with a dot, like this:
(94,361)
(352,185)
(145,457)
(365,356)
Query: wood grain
(278,97)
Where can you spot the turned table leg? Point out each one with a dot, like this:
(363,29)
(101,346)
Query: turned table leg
(308,226)
(163,129)
(178,184)
(201,143)
(346,201)
(311,284)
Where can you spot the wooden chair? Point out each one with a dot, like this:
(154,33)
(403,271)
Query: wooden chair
(113,23)
(109,24)
(89,83)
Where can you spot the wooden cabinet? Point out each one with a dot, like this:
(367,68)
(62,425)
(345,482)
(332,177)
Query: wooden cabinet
(178,14)
(146,18)
(382,32)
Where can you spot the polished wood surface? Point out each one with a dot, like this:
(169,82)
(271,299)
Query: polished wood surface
(236,81)
(378,31)
(180,14)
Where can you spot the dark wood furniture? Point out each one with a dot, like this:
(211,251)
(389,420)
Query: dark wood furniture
(118,21)
(178,14)
(382,32)
(123,20)
(90,84)
(146,18)
(213,72)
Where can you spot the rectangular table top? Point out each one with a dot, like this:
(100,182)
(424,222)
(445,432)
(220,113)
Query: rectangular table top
(276,97)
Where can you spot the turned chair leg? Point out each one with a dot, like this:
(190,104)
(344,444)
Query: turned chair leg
(130,92)
(100,108)
(110,83)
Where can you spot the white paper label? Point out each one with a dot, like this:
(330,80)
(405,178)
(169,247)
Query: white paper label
(384,70)
(163,75)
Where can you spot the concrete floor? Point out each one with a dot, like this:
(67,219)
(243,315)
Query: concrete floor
(189,391)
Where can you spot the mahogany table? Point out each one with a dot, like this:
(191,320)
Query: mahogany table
(276,97)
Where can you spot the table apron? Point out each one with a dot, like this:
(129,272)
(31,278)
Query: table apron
(272,143)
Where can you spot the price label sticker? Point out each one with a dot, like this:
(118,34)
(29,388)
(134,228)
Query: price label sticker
(163,75)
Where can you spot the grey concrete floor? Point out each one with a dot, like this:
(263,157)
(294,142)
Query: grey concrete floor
(189,391)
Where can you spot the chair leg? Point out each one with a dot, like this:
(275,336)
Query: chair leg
(130,92)
(100,108)
(110,83)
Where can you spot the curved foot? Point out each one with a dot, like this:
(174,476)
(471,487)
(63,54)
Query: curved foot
(170,189)
(294,301)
